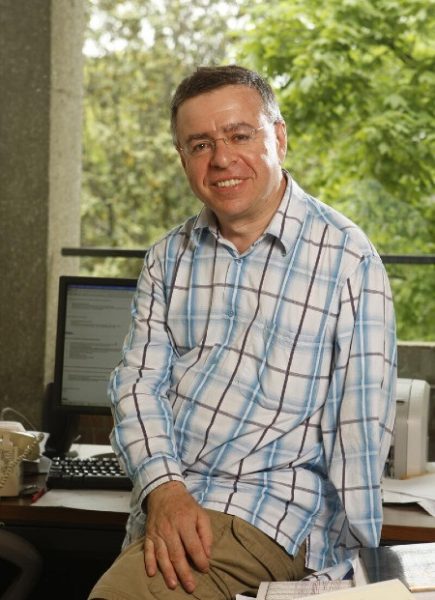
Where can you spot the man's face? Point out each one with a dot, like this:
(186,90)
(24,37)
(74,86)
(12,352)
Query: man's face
(239,183)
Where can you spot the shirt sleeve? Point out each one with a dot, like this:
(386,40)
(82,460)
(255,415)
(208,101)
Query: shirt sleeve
(359,413)
(143,436)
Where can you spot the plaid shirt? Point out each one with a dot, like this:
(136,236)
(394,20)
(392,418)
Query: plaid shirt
(264,381)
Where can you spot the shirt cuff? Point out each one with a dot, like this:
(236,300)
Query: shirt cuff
(155,472)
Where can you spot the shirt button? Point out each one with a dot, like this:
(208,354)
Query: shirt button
(230,313)
(238,261)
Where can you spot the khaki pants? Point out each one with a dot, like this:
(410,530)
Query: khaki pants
(242,557)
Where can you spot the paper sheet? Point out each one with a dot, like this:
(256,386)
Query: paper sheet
(416,489)
(385,590)
(398,498)
(291,590)
(105,500)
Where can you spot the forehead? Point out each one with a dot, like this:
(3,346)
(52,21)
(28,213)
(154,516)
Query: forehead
(217,109)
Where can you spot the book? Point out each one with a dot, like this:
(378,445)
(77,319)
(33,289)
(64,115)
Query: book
(385,590)
(412,564)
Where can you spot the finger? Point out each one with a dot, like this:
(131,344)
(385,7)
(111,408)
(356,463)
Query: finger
(165,564)
(184,574)
(150,557)
(176,555)
(194,549)
(205,533)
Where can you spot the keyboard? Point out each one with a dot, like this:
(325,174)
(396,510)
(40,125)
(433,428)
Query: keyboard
(97,473)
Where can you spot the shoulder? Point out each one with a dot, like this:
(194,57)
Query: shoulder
(340,227)
(176,240)
(343,239)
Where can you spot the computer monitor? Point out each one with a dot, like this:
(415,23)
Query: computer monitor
(93,320)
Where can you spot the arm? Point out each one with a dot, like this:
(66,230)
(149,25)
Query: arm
(143,438)
(143,434)
(359,413)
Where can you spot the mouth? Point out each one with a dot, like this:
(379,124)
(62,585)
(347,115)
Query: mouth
(227,183)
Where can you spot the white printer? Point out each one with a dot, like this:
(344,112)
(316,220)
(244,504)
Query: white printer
(409,449)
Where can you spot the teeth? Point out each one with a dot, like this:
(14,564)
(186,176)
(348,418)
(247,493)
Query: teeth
(228,182)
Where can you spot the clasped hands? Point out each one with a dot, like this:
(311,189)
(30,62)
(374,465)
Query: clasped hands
(178,534)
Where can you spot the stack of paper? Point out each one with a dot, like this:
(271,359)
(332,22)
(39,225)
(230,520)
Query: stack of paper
(290,590)
(416,489)
(413,564)
(386,590)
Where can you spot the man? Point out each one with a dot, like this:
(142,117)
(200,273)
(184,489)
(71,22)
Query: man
(254,402)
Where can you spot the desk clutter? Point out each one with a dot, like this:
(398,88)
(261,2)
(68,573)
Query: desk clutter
(412,564)
(397,572)
(16,446)
(332,590)
(292,590)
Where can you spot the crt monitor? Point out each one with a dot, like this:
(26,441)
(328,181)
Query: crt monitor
(93,320)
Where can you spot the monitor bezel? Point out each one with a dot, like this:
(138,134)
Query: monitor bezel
(65,281)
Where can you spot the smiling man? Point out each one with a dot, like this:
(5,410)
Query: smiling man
(232,152)
(254,402)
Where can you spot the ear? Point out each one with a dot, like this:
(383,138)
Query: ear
(281,137)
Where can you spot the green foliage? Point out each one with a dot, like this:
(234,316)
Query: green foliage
(134,188)
(356,82)
(413,290)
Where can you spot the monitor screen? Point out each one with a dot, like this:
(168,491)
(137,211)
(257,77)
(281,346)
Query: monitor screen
(93,320)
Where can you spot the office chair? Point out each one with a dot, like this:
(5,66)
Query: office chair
(23,561)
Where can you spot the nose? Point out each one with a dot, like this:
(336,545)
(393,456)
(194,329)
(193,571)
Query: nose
(223,154)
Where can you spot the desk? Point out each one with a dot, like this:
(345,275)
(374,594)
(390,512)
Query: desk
(86,541)
(402,523)
(77,546)
(21,512)
(407,523)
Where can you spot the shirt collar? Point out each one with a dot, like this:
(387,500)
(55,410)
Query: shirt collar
(288,219)
(204,220)
(284,226)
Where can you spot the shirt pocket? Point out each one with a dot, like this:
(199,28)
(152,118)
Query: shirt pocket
(286,372)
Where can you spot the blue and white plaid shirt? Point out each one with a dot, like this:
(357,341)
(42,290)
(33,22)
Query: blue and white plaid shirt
(264,381)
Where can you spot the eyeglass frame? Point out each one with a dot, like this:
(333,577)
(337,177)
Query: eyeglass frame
(212,141)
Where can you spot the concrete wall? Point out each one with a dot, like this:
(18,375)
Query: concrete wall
(66,90)
(40,136)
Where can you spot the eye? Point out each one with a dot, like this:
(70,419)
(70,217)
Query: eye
(199,147)
(241,137)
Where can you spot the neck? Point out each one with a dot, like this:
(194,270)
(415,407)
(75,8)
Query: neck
(242,236)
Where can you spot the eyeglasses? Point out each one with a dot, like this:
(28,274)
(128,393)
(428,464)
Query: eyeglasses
(241,136)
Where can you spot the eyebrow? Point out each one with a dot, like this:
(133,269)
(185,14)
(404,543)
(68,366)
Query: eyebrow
(225,129)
